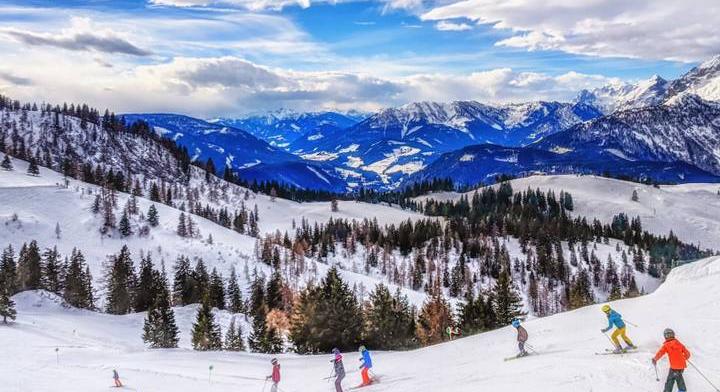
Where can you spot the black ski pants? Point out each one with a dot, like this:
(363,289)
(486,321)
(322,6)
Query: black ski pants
(675,376)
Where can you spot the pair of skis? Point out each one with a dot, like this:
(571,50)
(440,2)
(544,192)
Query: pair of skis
(621,352)
(373,381)
(514,357)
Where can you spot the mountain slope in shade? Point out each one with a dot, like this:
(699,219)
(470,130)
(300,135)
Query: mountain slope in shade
(225,145)
(282,127)
(298,174)
(685,129)
(478,164)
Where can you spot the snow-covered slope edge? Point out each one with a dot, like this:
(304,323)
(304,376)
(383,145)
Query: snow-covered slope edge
(91,345)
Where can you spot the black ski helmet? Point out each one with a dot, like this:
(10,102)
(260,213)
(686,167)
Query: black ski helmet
(669,333)
(274,361)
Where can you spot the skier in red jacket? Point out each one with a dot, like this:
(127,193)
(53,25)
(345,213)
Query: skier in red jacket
(275,376)
(678,356)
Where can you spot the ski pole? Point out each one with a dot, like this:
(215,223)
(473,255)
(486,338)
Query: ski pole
(631,323)
(265,385)
(531,348)
(703,376)
(657,376)
(611,341)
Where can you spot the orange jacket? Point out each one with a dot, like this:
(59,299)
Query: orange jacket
(677,353)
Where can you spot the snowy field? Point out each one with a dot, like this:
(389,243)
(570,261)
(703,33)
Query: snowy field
(691,211)
(92,344)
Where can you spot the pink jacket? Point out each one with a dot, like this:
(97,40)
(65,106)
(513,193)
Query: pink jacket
(276,373)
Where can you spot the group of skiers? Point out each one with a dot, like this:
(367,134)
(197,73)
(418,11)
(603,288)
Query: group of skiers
(338,370)
(677,353)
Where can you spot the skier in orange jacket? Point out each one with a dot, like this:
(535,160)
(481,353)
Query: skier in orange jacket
(678,356)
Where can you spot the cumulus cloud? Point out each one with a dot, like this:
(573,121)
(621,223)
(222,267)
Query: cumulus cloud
(230,85)
(227,86)
(660,29)
(79,37)
(444,25)
(501,85)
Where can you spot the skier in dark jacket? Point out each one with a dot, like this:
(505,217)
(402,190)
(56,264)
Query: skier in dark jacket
(116,378)
(522,337)
(339,369)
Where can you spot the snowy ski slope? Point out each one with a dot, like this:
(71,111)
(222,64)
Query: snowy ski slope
(691,211)
(39,204)
(92,344)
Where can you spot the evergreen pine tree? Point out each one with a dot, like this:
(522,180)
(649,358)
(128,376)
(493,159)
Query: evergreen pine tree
(182,282)
(234,337)
(581,291)
(97,204)
(206,335)
(389,320)
(155,193)
(235,301)
(124,226)
(181,227)
(508,304)
(52,271)
(119,283)
(7,306)
(153,217)
(201,282)
(8,271)
(327,316)
(29,267)
(146,291)
(6,163)
(33,168)
(77,286)
(160,329)
(273,294)
(476,315)
(216,290)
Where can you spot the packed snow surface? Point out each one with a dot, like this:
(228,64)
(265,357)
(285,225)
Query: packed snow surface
(691,211)
(90,345)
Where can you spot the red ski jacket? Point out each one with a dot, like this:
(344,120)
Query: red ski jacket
(677,353)
(276,373)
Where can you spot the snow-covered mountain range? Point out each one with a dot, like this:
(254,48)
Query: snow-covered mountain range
(659,129)
(282,127)
(396,142)
(703,81)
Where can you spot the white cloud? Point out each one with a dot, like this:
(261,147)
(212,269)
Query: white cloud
(228,63)
(81,36)
(501,85)
(660,29)
(229,85)
(253,5)
(444,25)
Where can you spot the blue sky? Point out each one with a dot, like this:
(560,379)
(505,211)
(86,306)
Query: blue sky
(229,57)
